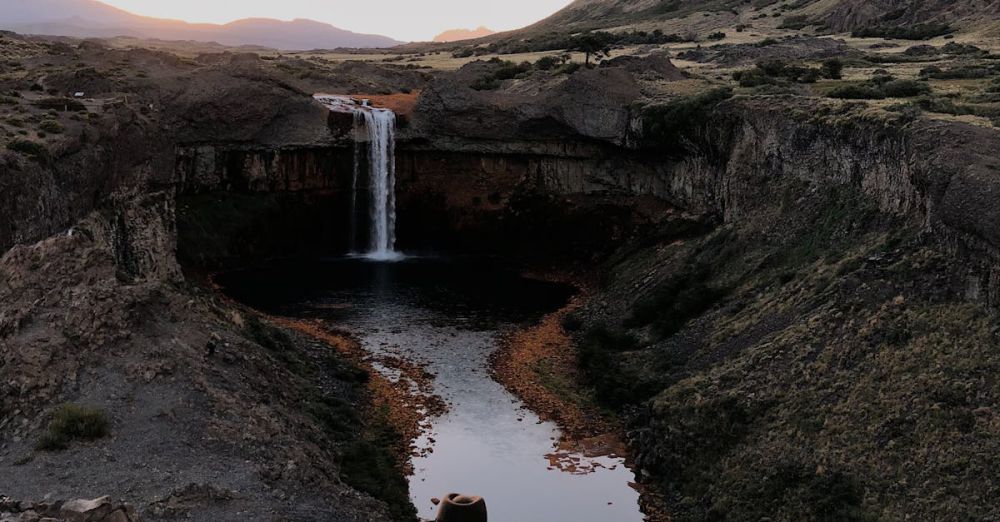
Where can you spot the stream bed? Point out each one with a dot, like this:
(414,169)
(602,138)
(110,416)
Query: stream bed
(447,316)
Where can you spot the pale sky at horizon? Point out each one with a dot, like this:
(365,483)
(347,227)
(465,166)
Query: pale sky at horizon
(400,19)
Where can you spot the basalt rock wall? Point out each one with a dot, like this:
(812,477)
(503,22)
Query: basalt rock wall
(935,174)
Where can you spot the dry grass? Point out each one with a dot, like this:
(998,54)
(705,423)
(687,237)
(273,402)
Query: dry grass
(72,422)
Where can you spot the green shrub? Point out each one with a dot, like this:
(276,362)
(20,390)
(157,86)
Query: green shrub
(600,354)
(912,32)
(905,89)
(753,78)
(832,69)
(28,148)
(881,87)
(505,71)
(956,73)
(368,464)
(956,48)
(770,71)
(881,77)
(546,63)
(666,125)
(856,92)
(676,302)
(570,68)
(73,422)
(51,126)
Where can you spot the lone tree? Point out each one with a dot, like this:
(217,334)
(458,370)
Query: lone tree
(833,69)
(591,44)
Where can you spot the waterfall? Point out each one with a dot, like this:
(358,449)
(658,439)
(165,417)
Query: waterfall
(352,240)
(381,127)
(377,127)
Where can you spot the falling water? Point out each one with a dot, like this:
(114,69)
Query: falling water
(381,127)
(377,127)
(353,232)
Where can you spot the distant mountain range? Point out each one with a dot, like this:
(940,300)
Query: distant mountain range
(455,35)
(93,19)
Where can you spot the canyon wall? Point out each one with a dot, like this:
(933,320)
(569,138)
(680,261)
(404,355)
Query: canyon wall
(938,175)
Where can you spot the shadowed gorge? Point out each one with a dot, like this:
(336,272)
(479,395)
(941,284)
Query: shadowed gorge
(691,260)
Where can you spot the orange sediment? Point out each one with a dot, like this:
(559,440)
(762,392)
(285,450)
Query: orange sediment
(538,364)
(526,364)
(408,402)
(401,103)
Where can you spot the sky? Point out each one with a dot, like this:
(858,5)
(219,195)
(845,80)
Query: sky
(408,20)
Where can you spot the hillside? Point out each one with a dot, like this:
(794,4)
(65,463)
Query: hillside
(824,15)
(92,19)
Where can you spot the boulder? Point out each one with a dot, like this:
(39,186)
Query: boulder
(656,64)
(82,510)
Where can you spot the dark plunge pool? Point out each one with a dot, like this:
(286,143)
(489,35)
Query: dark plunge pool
(447,316)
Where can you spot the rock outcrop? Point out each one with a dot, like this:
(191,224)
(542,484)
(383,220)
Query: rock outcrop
(568,109)
(100,509)
(848,15)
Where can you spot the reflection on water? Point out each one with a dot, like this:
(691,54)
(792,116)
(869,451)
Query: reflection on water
(447,316)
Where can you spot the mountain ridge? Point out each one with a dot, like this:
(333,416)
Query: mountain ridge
(455,35)
(94,19)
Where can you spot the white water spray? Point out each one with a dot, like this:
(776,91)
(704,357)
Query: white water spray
(378,128)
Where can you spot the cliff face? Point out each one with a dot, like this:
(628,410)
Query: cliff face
(933,174)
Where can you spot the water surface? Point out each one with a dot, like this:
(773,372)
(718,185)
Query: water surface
(447,315)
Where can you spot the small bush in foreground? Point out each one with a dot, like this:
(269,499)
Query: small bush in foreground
(73,422)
